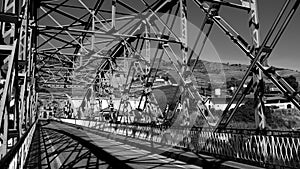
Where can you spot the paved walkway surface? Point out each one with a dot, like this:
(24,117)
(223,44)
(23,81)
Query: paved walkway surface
(58,145)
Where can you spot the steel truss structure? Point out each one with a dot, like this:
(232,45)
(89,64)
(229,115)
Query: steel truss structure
(115,48)
(18,95)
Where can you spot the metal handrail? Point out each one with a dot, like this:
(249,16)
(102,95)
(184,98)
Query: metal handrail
(270,148)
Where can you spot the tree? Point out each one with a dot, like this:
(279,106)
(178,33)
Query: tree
(291,80)
(245,113)
(244,117)
(233,82)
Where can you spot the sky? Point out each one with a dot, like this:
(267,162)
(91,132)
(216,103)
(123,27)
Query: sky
(286,52)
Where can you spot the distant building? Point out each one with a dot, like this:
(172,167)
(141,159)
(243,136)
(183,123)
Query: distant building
(279,102)
(271,89)
(220,103)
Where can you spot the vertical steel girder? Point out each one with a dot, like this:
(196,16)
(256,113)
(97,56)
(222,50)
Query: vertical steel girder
(184,40)
(5,104)
(7,36)
(258,86)
(18,91)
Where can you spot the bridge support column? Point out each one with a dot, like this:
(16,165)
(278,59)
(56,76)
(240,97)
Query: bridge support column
(258,85)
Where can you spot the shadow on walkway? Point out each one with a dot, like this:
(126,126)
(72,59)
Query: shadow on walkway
(163,152)
(51,149)
(57,146)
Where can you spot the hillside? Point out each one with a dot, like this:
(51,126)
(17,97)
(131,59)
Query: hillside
(238,70)
(217,73)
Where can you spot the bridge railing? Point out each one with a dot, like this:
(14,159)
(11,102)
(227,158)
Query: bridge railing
(16,157)
(272,148)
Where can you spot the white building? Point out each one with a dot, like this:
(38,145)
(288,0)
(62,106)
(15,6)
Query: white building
(278,102)
(221,103)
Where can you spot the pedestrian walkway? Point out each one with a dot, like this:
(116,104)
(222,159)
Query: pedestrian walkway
(60,145)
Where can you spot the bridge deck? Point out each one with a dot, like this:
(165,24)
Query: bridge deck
(58,145)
